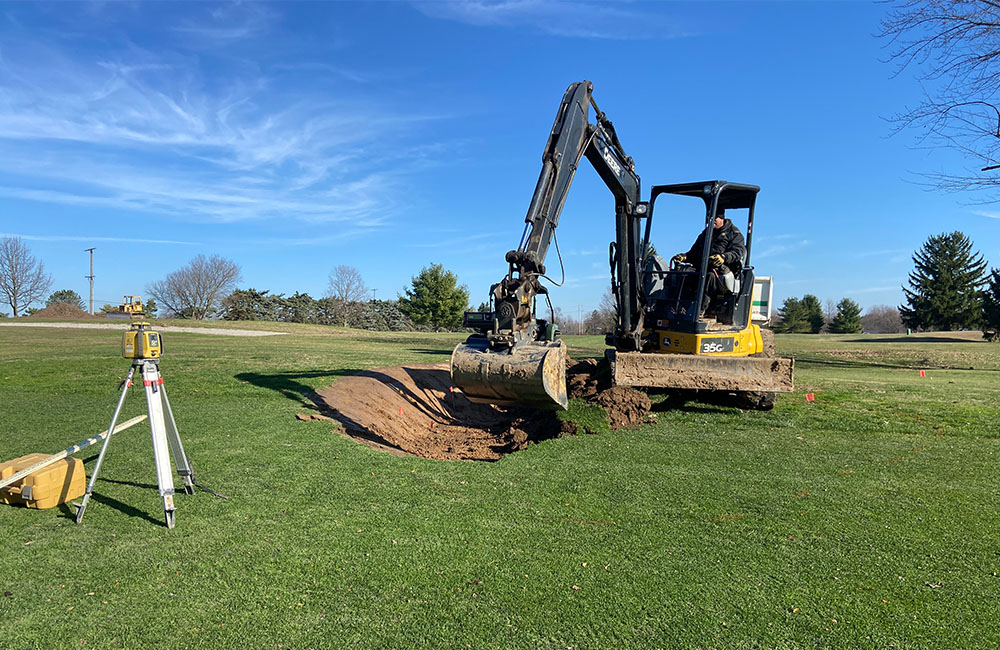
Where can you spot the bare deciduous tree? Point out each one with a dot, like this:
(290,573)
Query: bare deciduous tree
(346,284)
(196,290)
(22,278)
(829,311)
(346,287)
(953,45)
(882,319)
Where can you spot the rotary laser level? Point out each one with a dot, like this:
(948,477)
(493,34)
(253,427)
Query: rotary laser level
(144,346)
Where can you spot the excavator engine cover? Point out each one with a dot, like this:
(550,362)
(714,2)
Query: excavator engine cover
(532,374)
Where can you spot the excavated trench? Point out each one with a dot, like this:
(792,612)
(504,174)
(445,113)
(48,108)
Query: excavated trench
(415,410)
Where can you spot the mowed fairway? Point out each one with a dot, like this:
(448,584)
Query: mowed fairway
(867,518)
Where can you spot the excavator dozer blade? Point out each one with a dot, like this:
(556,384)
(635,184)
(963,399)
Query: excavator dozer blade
(532,375)
(652,370)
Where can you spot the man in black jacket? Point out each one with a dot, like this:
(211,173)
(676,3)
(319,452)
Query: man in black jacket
(725,259)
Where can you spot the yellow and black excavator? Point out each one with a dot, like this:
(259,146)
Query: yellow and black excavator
(666,335)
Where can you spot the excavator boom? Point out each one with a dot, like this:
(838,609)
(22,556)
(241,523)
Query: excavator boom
(515,357)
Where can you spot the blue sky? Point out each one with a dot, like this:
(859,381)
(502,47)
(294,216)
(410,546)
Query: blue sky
(293,138)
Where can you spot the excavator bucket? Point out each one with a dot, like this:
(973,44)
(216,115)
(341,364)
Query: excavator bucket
(651,370)
(533,374)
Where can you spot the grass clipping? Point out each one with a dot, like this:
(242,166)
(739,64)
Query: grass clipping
(416,410)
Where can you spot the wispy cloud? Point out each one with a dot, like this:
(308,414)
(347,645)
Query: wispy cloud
(987,214)
(771,250)
(231,22)
(488,237)
(883,252)
(80,238)
(154,132)
(894,287)
(602,19)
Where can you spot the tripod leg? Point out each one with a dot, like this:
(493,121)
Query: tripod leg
(181,461)
(104,448)
(152,382)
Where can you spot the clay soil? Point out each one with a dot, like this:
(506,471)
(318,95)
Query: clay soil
(415,410)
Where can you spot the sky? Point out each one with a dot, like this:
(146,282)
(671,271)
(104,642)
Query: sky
(292,138)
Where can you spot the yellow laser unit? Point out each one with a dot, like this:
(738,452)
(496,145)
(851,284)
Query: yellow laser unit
(141,343)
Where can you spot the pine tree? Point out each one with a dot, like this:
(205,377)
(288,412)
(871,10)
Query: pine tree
(67,296)
(813,313)
(435,298)
(991,304)
(793,317)
(945,285)
(848,318)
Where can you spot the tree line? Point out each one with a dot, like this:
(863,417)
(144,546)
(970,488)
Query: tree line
(951,287)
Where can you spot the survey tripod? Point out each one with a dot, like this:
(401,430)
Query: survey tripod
(143,346)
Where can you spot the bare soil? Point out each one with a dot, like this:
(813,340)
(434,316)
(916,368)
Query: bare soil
(63,310)
(415,410)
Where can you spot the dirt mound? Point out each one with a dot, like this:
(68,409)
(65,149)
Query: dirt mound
(625,406)
(416,410)
(582,381)
(62,311)
(591,381)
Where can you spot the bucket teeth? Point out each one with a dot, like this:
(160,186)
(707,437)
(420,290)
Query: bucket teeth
(533,374)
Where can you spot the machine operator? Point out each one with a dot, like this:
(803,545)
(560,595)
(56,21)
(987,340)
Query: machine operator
(725,260)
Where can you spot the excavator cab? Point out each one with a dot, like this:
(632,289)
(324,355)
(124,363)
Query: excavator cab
(675,295)
(692,340)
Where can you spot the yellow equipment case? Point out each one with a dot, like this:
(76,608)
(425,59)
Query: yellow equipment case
(58,483)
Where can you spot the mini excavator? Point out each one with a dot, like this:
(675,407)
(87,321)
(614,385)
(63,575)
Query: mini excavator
(665,335)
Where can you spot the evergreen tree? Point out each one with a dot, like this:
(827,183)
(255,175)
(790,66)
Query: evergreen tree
(251,304)
(67,296)
(991,303)
(298,308)
(435,298)
(813,313)
(945,285)
(793,317)
(848,318)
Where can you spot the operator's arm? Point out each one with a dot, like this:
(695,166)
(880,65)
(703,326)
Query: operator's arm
(736,252)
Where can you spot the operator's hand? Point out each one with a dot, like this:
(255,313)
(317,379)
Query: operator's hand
(716,260)
(678,258)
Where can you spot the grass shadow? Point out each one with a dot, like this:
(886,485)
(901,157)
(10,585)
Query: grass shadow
(431,351)
(855,363)
(290,384)
(703,402)
(917,339)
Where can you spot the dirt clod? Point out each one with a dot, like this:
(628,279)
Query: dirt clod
(625,406)
(588,380)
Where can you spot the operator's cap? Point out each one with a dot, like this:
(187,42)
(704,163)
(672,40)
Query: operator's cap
(720,212)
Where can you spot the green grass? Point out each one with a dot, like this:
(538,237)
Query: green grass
(867,518)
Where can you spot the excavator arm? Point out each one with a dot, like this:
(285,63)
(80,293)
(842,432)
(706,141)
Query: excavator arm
(514,357)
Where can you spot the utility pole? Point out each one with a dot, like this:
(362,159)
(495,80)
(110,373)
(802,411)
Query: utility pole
(91,278)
